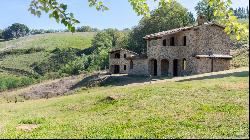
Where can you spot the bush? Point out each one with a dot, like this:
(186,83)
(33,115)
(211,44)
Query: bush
(58,59)
(11,81)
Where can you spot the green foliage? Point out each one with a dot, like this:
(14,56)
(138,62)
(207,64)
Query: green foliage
(56,10)
(241,12)
(16,62)
(162,19)
(204,8)
(57,59)
(226,17)
(86,29)
(9,81)
(16,30)
(73,67)
(1,34)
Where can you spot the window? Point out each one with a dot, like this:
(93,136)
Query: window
(184,64)
(131,64)
(125,67)
(172,41)
(117,55)
(164,42)
(125,55)
(184,40)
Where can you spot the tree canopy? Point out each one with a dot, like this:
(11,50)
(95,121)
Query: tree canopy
(204,8)
(161,19)
(16,30)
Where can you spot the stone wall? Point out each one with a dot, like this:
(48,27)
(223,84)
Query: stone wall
(221,64)
(119,61)
(204,39)
(140,67)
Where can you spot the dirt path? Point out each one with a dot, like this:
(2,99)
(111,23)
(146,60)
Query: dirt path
(67,85)
(220,74)
(46,89)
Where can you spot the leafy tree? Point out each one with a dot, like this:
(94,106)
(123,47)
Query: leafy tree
(86,29)
(204,8)
(161,19)
(16,30)
(1,34)
(19,30)
(7,34)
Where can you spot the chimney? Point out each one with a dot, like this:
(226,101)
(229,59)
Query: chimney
(201,19)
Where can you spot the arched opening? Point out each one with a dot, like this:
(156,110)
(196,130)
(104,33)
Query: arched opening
(164,67)
(117,55)
(153,67)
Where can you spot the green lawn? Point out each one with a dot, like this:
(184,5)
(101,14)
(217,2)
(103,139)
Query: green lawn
(209,108)
(51,41)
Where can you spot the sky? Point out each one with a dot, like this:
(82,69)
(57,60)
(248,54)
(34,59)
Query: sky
(120,14)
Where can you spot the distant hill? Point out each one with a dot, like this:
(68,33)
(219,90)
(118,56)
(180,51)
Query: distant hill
(50,41)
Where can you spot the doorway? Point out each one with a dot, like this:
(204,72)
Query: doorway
(153,67)
(164,67)
(175,67)
(116,69)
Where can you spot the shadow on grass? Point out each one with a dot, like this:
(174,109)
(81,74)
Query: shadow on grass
(234,74)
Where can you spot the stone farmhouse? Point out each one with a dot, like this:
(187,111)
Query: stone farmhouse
(178,52)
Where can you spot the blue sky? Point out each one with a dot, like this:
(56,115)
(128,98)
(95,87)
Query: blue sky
(120,14)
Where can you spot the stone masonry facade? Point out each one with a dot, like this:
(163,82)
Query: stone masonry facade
(184,51)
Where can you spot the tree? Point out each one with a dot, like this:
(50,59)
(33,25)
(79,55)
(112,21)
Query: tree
(161,19)
(86,29)
(19,30)
(7,34)
(58,11)
(1,34)
(16,30)
(204,8)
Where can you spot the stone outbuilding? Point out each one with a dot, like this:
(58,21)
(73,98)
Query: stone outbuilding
(183,51)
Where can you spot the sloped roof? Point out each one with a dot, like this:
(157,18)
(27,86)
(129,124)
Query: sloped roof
(141,56)
(119,49)
(214,56)
(173,31)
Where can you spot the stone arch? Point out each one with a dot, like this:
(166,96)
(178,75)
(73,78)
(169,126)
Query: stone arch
(164,67)
(153,67)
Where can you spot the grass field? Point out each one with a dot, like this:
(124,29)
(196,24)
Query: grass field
(208,108)
(51,41)
(23,61)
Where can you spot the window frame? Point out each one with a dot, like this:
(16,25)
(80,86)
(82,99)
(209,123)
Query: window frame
(172,41)
(164,42)
(184,40)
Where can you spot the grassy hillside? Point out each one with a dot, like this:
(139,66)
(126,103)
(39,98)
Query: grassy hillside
(209,108)
(23,61)
(51,41)
(37,49)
